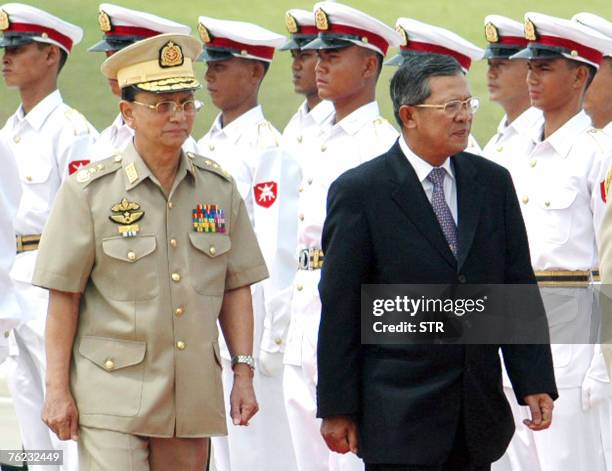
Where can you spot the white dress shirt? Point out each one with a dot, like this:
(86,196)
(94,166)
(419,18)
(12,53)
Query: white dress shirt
(305,126)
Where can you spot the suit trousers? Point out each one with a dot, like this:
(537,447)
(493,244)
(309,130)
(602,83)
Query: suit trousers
(107,450)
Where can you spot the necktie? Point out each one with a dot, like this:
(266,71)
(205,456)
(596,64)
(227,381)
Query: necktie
(441,209)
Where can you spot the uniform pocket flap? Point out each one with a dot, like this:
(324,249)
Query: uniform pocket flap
(129,249)
(38,173)
(112,354)
(559,200)
(211,244)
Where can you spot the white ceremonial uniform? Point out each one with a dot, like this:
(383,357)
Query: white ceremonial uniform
(608,129)
(268,180)
(50,142)
(559,186)
(357,138)
(10,193)
(304,126)
(118,135)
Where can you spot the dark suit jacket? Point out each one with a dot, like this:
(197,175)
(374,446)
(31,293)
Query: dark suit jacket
(408,400)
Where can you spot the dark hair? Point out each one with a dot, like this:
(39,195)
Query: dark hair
(63,54)
(410,84)
(129,93)
(265,65)
(591,70)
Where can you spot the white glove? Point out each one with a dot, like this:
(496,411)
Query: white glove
(270,364)
(594,393)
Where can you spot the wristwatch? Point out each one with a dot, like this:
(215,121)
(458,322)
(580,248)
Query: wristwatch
(246,359)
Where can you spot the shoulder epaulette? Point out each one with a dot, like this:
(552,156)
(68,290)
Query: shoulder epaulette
(98,169)
(208,164)
(78,121)
(603,141)
(267,135)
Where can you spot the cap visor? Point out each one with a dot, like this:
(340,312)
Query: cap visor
(212,55)
(15,41)
(289,45)
(327,43)
(395,60)
(526,53)
(169,85)
(102,46)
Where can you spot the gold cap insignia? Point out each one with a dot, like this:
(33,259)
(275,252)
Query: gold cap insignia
(4,20)
(574,53)
(204,34)
(491,33)
(291,24)
(171,55)
(321,20)
(530,30)
(403,34)
(104,22)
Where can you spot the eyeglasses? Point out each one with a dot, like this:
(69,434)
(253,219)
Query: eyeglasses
(454,107)
(190,107)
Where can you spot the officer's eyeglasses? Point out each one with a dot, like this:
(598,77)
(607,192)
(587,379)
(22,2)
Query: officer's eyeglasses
(190,107)
(454,107)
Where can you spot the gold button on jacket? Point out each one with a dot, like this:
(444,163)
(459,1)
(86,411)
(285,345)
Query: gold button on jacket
(137,368)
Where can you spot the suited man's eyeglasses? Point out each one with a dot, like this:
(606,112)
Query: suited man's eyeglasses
(454,107)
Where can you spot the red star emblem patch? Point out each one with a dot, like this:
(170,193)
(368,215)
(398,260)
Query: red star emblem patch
(266,193)
(76,165)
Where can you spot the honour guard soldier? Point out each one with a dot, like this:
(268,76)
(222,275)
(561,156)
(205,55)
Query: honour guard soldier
(351,46)
(121,27)
(49,140)
(598,99)
(237,57)
(507,83)
(313,112)
(160,246)
(561,185)
(418,37)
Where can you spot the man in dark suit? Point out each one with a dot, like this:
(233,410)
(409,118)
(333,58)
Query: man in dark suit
(424,213)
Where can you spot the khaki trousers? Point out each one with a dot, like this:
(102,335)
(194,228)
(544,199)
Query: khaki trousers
(106,450)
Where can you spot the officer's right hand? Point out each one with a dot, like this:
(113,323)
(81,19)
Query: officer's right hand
(242,398)
(60,414)
(340,434)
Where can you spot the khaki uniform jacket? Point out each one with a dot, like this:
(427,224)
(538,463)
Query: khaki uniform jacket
(146,357)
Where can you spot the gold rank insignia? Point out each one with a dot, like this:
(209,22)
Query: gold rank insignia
(126,213)
(605,186)
(291,24)
(321,19)
(104,22)
(204,34)
(403,34)
(530,30)
(4,20)
(491,33)
(131,173)
(171,55)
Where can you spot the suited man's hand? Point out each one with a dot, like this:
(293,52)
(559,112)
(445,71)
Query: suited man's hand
(541,407)
(340,434)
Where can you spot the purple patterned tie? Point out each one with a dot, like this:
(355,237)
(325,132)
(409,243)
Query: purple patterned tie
(443,212)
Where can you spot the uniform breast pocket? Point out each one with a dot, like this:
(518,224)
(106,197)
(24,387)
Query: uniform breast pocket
(128,270)
(208,262)
(557,215)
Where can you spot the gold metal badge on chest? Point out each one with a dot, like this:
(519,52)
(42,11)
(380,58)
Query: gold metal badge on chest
(126,213)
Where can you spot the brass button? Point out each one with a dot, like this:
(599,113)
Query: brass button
(365,40)
(191,155)
(44,35)
(208,162)
(323,147)
(500,149)
(29,178)
(179,311)
(215,166)
(211,147)
(301,216)
(176,277)
(118,158)
(300,287)
(212,250)
(278,341)
(301,189)
(100,166)
(7,333)
(525,199)
(170,204)
(299,139)
(109,365)
(310,181)
(533,163)
(173,242)
(16,139)
(180,345)
(131,256)
(547,203)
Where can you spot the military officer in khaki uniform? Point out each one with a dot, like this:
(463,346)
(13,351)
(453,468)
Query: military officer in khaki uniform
(142,253)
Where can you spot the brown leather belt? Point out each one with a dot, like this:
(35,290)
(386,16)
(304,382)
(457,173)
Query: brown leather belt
(25,243)
(310,259)
(566,278)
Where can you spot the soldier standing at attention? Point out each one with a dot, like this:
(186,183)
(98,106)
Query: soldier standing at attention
(49,140)
(159,247)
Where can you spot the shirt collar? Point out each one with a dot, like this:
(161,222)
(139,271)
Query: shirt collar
(526,121)
(357,119)
(420,166)
(608,129)
(39,114)
(236,128)
(563,138)
(137,169)
(321,112)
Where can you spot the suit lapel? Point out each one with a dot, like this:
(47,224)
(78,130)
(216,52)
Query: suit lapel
(469,200)
(408,194)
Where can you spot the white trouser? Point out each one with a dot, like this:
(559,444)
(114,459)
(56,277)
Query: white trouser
(26,379)
(311,452)
(263,445)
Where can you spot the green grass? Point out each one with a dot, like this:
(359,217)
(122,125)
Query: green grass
(84,87)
